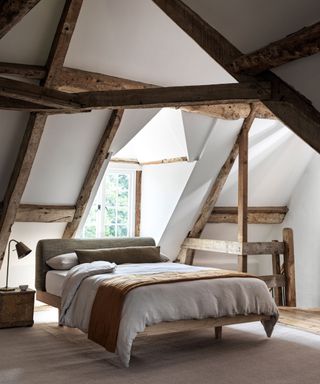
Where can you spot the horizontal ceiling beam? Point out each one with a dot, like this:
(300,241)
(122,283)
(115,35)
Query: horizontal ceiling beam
(35,94)
(76,80)
(137,98)
(45,213)
(176,96)
(305,42)
(12,11)
(37,72)
(256,215)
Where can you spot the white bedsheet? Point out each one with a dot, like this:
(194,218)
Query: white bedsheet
(152,304)
(54,282)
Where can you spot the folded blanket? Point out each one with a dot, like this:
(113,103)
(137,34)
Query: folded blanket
(75,277)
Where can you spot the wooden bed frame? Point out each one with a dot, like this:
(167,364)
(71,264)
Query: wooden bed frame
(282,283)
(167,327)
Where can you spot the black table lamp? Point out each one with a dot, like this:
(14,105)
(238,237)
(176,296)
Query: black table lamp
(22,251)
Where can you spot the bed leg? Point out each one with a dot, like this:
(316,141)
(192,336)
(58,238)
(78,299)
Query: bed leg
(218,333)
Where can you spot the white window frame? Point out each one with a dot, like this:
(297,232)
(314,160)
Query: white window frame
(100,220)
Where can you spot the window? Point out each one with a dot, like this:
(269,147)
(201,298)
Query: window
(112,212)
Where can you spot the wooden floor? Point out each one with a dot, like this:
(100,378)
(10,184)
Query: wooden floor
(306,319)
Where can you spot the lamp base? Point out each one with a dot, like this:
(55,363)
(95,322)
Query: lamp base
(7,289)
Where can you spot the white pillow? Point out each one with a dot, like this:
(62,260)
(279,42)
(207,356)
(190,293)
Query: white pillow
(63,262)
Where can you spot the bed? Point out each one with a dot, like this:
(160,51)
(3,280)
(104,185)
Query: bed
(158,308)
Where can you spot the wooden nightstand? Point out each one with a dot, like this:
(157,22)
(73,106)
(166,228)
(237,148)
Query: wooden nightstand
(16,308)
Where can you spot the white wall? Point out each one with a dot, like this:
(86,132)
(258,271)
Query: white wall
(303,217)
(162,186)
(23,271)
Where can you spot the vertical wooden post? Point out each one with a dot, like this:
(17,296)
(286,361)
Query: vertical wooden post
(138,203)
(276,270)
(218,332)
(289,269)
(243,197)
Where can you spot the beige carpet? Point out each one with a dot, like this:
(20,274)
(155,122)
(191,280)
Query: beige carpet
(48,354)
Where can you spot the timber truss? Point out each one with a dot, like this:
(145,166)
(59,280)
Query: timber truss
(68,90)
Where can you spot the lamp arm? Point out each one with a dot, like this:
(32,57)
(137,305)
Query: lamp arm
(8,261)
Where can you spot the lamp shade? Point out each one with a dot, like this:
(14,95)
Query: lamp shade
(22,250)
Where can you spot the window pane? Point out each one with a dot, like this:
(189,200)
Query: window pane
(123,198)
(111,198)
(122,231)
(122,216)
(110,215)
(123,182)
(110,231)
(111,181)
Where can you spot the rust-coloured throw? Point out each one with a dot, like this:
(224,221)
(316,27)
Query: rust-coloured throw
(108,303)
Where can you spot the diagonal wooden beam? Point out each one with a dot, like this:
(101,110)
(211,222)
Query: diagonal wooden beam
(34,131)
(93,172)
(19,177)
(12,11)
(187,256)
(62,39)
(300,116)
(305,42)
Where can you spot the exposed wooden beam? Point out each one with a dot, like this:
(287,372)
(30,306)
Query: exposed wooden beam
(300,115)
(289,268)
(187,257)
(138,203)
(19,177)
(256,215)
(27,71)
(62,39)
(10,104)
(243,193)
(137,98)
(33,133)
(175,96)
(44,213)
(75,80)
(93,172)
(12,11)
(233,247)
(35,94)
(182,159)
(231,111)
(305,42)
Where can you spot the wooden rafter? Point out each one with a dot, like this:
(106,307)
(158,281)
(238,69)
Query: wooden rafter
(93,172)
(12,11)
(256,215)
(305,42)
(19,177)
(186,256)
(34,132)
(295,111)
(76,80)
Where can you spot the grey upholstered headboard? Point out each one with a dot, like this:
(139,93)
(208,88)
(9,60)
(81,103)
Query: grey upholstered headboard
(46,249)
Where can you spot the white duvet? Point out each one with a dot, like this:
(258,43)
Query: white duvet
(152,304)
